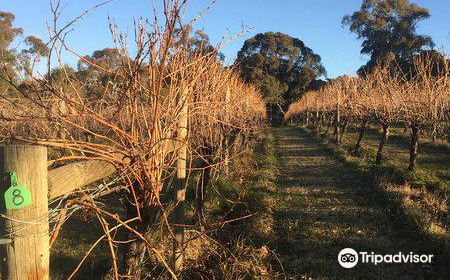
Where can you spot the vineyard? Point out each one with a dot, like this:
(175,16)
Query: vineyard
(155,119)
(156,159)
(417,100)
(359,117)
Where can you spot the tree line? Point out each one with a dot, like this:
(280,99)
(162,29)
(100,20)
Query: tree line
(284,68)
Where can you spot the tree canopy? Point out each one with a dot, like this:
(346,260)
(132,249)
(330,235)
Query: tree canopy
(107,58)
(197,41)
(388,30)
(281,66)
(11,62)
(8,57)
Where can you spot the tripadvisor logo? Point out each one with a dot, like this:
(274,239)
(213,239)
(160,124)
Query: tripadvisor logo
(348,258)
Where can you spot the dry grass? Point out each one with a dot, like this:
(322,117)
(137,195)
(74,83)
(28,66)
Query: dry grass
(132,118)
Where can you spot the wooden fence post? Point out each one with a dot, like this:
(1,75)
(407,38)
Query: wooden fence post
(26,256)
(180,184)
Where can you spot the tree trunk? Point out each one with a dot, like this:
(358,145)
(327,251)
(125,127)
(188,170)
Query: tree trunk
(434,132)
(134,257)
(318,124)
(329,125)
(413,147)
(362,132)
(134,252)
(202,186)
(344,129)
(336,128)
(383,140)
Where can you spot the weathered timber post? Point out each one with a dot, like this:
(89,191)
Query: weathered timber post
(434,126)
(337,121)
(27,255)
(434,132)
(180,184)
(226,161)
(413,146)
(307,118)
(317,123)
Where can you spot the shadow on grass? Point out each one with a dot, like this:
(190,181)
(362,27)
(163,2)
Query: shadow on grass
(76,237)
(433,158)
(325,204)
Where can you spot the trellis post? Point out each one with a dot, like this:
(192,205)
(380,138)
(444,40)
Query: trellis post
(226,161)
(180,183)
(337,120)
(26,256)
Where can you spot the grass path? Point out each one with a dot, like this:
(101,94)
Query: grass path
(323,206)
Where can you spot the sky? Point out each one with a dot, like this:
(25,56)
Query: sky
(316,22)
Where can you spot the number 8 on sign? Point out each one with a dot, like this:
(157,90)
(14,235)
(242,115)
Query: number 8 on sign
(16,196)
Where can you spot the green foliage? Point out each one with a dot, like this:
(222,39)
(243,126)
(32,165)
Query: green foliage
(8,57)
(107,58)
(36,49)
(95,70)
(388,30)
(7,32)
(64,78)
(36,46)
(12,62)
(197,41)
(282,67)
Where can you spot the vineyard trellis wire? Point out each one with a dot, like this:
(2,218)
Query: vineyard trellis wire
(129,132)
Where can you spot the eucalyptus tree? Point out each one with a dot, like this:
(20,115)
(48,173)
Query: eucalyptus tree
(281,66)
(388,29)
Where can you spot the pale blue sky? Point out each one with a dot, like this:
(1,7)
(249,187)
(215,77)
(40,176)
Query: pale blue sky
(316,22)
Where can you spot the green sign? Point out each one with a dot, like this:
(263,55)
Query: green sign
(17,196)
